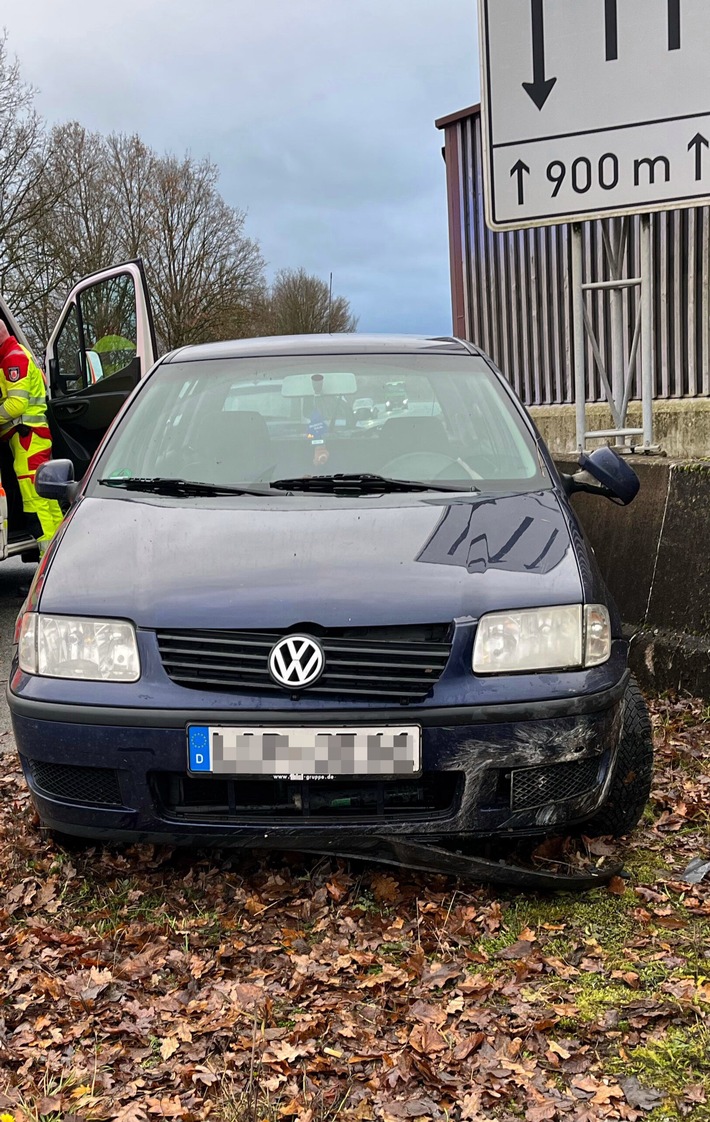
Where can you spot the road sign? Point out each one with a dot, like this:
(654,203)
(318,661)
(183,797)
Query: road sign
(594,108)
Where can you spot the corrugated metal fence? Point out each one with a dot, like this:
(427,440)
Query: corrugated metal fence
(512,294)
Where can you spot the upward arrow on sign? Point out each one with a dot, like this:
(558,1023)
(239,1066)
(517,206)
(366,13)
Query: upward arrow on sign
(540,88)
(698,143)
(520,169)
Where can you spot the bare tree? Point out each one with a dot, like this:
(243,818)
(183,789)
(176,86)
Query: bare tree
(74,233)
(73,201)
(27,191)
(21,141)
(132,168)
(206,275)
(300,304)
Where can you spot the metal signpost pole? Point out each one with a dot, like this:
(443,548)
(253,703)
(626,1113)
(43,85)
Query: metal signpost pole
(615,252)
(646,333)
(580,392)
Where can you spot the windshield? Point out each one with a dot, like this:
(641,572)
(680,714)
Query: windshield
(260,420)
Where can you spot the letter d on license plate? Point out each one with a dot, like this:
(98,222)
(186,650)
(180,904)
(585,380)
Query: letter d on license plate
(230,750)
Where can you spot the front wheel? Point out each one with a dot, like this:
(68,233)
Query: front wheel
(633,771)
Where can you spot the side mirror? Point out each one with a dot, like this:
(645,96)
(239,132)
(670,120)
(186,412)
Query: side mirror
(604,472)
(55,480)
(94,367)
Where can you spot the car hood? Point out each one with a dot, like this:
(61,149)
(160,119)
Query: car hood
(254,563)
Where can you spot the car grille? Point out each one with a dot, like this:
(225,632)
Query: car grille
(272,800)
(77,784)
(387,664)
(537,786)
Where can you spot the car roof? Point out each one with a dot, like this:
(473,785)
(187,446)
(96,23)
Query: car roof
(294,345)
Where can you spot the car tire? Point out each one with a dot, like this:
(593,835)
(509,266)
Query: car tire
(633,771)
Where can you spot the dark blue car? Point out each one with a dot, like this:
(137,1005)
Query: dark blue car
(264,620)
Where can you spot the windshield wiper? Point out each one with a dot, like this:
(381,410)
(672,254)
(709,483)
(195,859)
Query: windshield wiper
(362,484)
(179,487)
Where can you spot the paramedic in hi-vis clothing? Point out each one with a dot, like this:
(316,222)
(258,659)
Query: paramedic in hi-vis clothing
(23,422)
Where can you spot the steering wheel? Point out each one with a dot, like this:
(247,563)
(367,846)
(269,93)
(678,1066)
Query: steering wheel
(183,460)
(428,466)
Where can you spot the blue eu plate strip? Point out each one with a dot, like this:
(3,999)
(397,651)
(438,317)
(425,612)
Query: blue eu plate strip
(199,748)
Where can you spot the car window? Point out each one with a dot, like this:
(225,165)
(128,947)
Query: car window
(412,417)
(108,316)
(68,354)
(98,337)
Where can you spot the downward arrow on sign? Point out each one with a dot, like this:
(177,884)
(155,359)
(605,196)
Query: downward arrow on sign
(540,88)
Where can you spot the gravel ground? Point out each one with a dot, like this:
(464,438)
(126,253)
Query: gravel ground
(14,579)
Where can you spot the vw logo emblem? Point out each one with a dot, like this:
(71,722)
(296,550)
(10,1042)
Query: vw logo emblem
(296,661)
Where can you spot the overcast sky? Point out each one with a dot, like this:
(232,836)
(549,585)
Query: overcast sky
(319,113)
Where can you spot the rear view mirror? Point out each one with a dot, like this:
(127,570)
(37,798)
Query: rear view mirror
(606,473)
(315,385)
(55,480)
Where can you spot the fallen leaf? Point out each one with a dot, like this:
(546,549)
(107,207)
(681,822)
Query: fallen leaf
(169,1047)
(468,1045)
(643,1098)
(131,1112)
(519,949)
(605,1093)
(696,871)
(559,1050)
(542,1112)
(385,888)
(439,973)
(426,1039)
(291,1109)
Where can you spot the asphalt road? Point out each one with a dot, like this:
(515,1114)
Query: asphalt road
(13,576)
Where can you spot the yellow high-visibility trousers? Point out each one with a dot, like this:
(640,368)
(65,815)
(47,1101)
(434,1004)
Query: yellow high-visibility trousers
(28,453)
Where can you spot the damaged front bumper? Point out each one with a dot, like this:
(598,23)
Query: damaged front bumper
(488,771)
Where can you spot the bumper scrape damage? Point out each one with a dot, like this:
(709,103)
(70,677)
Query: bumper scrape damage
(504,779)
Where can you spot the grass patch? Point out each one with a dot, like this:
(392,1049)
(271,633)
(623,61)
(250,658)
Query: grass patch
(671,1063)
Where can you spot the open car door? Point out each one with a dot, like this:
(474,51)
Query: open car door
(103,344)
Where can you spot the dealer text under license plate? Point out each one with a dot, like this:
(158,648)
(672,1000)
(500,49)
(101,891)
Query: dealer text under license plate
(304,753)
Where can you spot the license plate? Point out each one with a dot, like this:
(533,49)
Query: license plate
(304,753)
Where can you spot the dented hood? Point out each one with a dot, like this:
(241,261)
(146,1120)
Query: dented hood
(272,563)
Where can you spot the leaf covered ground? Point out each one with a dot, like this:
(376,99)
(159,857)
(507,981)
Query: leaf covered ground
(140,984)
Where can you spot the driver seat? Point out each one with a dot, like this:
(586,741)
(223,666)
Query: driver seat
(403,435)
(235,447)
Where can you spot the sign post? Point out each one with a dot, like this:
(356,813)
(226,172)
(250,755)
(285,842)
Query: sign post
(597,109)
(594,108)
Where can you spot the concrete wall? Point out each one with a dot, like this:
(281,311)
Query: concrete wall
(654,556)
(681,427)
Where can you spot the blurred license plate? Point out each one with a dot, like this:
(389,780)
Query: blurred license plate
(289,753)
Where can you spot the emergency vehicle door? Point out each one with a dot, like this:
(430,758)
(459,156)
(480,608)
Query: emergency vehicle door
(103,344)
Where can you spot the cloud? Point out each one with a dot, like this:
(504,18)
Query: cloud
(318,112)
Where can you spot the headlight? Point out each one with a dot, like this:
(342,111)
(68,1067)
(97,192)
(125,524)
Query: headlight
(542,639)
(597,634)
(100,650)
